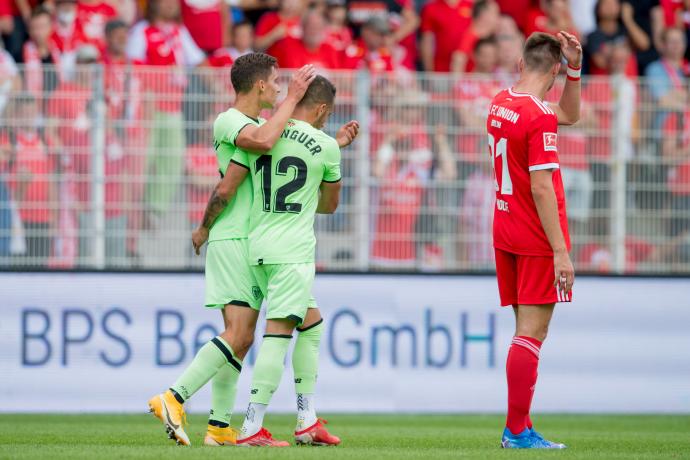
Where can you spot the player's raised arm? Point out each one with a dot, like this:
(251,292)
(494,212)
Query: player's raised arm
(222,194)
(260,139)
(568,107)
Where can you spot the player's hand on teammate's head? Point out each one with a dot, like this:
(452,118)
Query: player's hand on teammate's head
(347,133)
(571,48)
(199,237)
(565,273)
(300,81)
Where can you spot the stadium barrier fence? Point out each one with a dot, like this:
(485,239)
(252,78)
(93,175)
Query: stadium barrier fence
(111,167)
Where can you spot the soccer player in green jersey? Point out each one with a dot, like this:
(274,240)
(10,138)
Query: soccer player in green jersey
(304,162)
(230,284)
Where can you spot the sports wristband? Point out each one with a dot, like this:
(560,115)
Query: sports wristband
(574,73)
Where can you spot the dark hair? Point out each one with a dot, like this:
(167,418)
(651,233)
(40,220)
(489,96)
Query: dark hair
(490,40)
(249,69)
(320,91)
(597,12)
(541,52)
(479,7)
(151,13)
(113,25)
(241,23)
(40,11)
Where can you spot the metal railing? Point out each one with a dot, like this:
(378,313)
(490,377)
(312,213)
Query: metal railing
(111,167)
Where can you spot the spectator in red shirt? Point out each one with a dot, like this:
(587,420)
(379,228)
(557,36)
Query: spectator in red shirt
(510,42)
(473,97)
(34,182)
(517,9)
(371,51)
(92,16)
(311,49)
(41,51)
(69,129)
(403,20)
(64,26)
(444,22)
(161,41)
(485,20)
(402,165)
(339,33)
(125,138)
(552,17)
(276,25)
(208,21)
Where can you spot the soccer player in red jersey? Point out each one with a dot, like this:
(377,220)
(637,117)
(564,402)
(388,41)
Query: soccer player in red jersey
(531,239)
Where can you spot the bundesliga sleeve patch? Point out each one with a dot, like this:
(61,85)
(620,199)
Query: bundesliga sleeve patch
(550,142)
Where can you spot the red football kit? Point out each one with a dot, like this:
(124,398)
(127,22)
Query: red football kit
(522,135)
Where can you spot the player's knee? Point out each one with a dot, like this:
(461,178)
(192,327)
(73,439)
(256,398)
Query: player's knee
(536,331)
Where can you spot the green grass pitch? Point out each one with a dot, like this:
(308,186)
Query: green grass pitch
(430,437)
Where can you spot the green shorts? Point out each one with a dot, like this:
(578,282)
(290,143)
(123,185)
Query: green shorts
(287,288)
(229,277)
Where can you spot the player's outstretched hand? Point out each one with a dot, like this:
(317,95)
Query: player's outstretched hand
(199,237)
(347,133)
(565,273)
(300,81)
(571,48)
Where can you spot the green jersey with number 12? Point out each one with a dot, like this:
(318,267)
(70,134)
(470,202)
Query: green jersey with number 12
(286,185)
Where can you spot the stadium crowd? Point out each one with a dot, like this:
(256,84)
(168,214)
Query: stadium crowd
(432,192)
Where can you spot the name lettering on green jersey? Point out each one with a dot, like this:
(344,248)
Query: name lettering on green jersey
(303,138)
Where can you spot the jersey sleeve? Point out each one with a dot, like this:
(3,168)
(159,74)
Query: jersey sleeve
(542,142)
(241,158)
(230,126)
(331,167)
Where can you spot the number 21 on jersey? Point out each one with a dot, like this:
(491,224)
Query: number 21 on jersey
(500,149)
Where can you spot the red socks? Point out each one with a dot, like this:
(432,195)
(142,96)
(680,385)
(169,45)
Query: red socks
(521,370)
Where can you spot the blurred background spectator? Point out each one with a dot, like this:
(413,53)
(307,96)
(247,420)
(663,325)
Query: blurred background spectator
(612,29)
(276,25)
(485,20)
(312,48)
(158,89)
(161,40)
(34,180)
(402,18)
(242,39)
(647,16)
(551,16)
(443,25)
(208,22)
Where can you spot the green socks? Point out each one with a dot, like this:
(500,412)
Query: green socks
(269,366)
(223,392)
(305,358)
(210,358)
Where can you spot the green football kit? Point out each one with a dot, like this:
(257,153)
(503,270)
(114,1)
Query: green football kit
(286,186)
(229,279)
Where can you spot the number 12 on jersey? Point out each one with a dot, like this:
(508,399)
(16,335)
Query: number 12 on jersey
(500,149)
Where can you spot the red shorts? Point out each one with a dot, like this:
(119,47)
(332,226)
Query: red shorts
(527,280)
